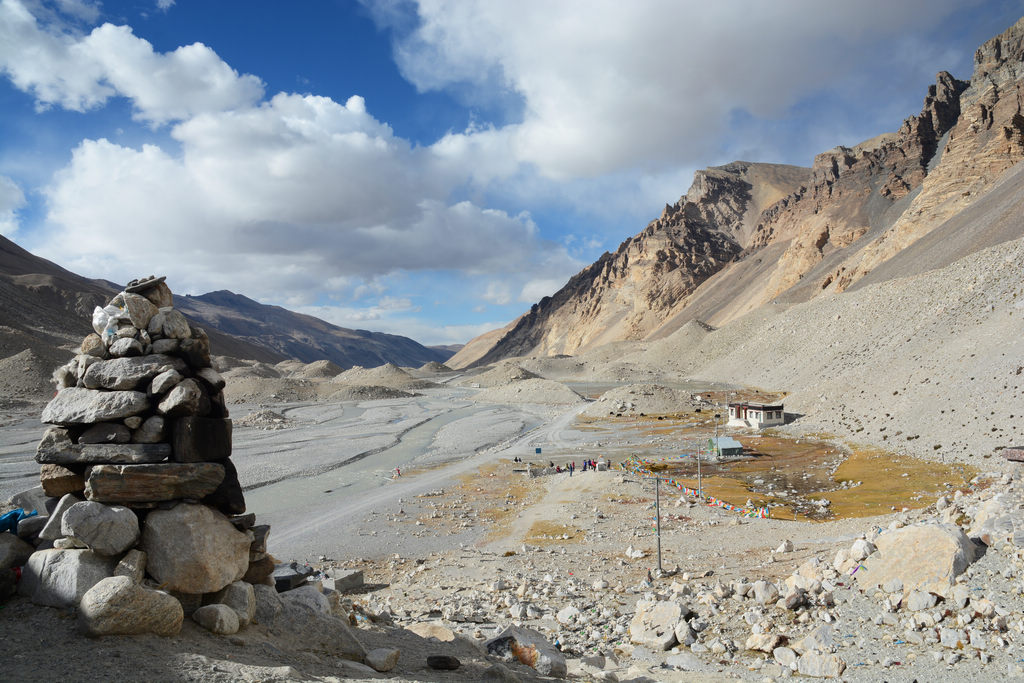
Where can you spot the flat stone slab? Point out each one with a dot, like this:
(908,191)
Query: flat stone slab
(129,373)
(56,448)
(1016,454)
(151,483)
(343,580)
(78,406)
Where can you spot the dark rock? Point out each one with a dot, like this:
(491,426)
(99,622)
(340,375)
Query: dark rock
(196,349)
(218,407)
(290,576)
(14,552)
(56,448)
(189,602)
(259,570)
(212,378)
(29,528)
(8,585)
(443,662)
(228,496)
(144,483)
(167,346)
(200,439)
(243,522)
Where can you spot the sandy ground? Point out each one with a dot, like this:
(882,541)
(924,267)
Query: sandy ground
(445,542)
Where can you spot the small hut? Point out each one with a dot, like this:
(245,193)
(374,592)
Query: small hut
(725,445)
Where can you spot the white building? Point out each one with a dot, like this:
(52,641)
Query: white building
(756,415)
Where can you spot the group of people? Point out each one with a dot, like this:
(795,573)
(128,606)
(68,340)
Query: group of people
(571,467)
(588,464)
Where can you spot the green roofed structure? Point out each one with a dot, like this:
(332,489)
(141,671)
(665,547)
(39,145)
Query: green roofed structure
(725,445)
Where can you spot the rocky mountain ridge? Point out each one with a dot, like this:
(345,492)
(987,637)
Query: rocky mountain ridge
(46,308)
(628,294)
(303,337)
(856,209)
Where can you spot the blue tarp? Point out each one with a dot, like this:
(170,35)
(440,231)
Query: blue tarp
(9,520)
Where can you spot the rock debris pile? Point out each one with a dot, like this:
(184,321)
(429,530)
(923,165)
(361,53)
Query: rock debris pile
(919,594)
(141,516)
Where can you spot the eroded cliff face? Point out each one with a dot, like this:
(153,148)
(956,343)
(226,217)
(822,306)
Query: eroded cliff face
(853,190)
(986,140)
(833,224)
(629,293)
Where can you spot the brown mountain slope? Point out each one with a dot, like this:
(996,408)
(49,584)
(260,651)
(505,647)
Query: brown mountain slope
(48,310)
(858,209)
(628,294)
(302,337)
(988,139)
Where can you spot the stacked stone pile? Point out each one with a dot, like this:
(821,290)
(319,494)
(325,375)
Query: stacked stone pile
(138,453)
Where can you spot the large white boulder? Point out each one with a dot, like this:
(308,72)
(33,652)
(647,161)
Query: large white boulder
(119,606)
(926,558)
(194,549)
(59,578)
(106,529)
(654,623)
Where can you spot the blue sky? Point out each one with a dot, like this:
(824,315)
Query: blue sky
(423,167)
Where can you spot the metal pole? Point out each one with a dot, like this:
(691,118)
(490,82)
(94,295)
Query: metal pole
(700,488)
(657,516)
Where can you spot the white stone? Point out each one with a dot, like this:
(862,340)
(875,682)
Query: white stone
(117,605)
(383,659)
(920,600)
(194,549)
(219,619)
(241,597)
(653,624)
(820,665)
(785,547)
(106,529)
(59,578)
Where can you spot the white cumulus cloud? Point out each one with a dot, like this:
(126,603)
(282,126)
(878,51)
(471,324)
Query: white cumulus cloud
(282,198)
(82,72)
(11,199)
(606,84)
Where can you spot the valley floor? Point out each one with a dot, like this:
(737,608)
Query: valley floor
(464,539)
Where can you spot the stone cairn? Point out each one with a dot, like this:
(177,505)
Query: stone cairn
(150,522)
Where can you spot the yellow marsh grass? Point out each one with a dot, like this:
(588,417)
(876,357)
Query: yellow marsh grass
(545,533)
